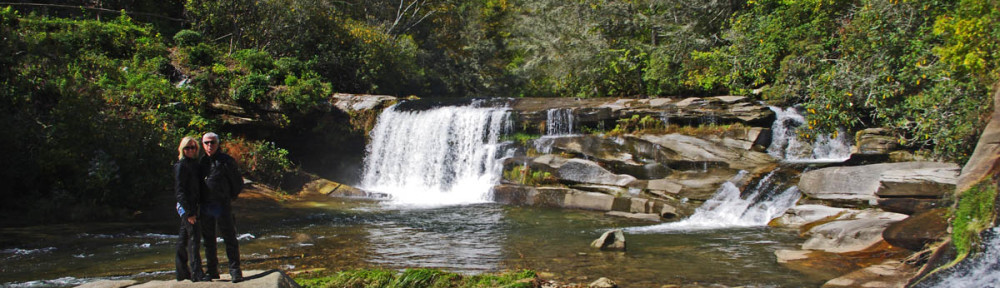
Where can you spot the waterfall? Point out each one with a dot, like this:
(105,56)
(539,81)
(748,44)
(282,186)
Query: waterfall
(440,156)
(981,270)
(727,209)
(559,122)
(785,143)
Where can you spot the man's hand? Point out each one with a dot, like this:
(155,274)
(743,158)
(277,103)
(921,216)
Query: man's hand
(192,219)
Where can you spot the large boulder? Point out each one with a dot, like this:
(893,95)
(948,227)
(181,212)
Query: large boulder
(857,234)
(584,171)
(854,183)
(910,206)
(360,102)
(984,160)
(918,183)
(689,149)
(918,230)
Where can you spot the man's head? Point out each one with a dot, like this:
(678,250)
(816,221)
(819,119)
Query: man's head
(211,143)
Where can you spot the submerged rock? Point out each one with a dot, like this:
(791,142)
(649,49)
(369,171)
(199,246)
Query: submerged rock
(613,240)
(891,273)
(603,283)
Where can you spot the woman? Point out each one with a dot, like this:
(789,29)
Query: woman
(187,190)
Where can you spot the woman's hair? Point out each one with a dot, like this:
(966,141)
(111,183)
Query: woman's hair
(184,142)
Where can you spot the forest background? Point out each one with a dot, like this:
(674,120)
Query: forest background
(96,94)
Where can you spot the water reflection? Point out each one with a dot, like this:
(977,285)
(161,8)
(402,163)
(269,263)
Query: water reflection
(463,239)
(339,234)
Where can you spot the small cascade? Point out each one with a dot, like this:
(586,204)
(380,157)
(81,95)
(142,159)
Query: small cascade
(785,143)
(439,156)
(729,209)
(981,270)
(559,122)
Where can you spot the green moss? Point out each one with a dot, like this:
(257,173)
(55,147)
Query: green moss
(415,278)
(973,214)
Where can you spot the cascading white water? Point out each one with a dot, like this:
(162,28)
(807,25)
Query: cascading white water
(981,271)
(785,144)
(726,209)
(441,156)
(559,122)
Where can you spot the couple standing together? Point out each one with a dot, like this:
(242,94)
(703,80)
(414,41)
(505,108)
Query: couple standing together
(205,188)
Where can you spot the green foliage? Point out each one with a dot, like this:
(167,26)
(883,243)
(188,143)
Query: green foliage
(251,89)
(261,161)
(188,38)
(972,215)
(525,176)
(418,278)
(636,124)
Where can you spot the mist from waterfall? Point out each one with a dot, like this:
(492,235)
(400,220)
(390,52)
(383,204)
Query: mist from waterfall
(786,145)
(436,157)
(728,209)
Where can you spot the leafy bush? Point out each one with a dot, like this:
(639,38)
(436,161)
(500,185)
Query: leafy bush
(251,89)
(187,38)
(261,161)
(525,176)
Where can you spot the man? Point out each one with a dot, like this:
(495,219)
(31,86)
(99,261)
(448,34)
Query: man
(222,177)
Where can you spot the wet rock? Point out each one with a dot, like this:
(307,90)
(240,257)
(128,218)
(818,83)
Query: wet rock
(613,240)
(910,206)
(856,183)
(857,234)
(603,283)
(918,183)
(664,186)
(891,273)
(683,148)
(801,215)
(873,141)
(918,230)
(638,216)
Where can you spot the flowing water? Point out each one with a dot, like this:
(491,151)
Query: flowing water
(786,145)
(980,270)
(438,166)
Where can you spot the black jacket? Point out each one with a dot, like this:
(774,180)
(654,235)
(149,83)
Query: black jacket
(222,176)
(187,185)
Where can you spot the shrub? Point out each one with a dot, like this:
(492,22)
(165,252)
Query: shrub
(187,38)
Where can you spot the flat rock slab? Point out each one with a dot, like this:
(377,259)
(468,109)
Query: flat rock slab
(252,279)
(890,273)
(919,183)
(851,235)
(857,183)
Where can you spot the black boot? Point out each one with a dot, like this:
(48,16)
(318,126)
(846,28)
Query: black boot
(237,275)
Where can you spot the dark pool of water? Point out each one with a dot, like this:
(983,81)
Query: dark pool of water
(338,234)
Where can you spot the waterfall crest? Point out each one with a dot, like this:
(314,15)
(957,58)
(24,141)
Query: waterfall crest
(728,209)
(786,145)
(440,156)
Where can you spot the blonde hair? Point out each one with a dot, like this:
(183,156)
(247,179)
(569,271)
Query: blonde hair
(184,142)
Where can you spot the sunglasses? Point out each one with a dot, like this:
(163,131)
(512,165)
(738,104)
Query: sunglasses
(209,142)
(190,147)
